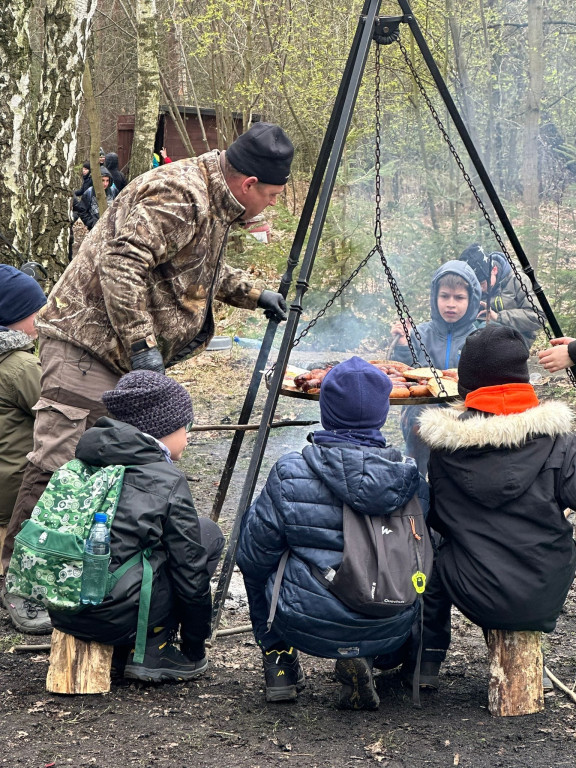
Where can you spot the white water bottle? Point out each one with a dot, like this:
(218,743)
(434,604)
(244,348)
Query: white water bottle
(95,562)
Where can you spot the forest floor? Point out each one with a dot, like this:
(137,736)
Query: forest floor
(223,720)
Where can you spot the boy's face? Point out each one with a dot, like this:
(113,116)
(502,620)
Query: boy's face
(452,303)
(176,443)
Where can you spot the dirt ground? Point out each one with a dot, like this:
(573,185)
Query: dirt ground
(223,720)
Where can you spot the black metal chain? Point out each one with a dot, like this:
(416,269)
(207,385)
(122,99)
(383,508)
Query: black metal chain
(468,180)
(408,324)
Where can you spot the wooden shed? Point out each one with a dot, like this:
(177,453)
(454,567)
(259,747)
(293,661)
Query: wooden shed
(167,135)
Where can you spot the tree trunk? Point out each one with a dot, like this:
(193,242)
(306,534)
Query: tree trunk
(462,70)
(95,142)
(15,127)
(530,164)
(148,89)
(67,25)
(77,666)
(515,673)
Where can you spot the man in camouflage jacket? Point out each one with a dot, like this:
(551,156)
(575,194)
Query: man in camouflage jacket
(139,294)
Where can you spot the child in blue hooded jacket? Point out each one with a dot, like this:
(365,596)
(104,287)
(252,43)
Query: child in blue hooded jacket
(454,305)
(301,510)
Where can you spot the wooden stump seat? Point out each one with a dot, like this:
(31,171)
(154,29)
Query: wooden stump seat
(515,673)
(77,666)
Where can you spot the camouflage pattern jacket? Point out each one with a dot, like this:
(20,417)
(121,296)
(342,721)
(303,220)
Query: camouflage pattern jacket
(152,268)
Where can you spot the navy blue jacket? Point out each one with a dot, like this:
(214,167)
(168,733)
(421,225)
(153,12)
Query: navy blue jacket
(300,508)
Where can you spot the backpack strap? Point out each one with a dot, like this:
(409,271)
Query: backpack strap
(143,607)
(145,597)
(276,589)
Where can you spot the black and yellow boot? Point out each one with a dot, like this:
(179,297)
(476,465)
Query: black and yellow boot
(163,662)
(283,673)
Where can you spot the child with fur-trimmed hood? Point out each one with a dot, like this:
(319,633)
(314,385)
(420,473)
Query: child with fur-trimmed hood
(502,471)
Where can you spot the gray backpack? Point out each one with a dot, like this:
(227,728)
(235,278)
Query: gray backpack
(385,564)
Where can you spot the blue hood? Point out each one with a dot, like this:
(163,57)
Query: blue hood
(467,273)
(371,481)
(500,261)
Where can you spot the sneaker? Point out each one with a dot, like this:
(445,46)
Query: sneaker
(358,691)
(27,615)
(283,674)
(429,672)
(163,662)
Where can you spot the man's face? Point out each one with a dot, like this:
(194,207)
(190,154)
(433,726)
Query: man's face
(258,196)
(452,303)
(106,181)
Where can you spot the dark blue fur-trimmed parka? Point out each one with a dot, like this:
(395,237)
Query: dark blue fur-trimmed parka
(300,509)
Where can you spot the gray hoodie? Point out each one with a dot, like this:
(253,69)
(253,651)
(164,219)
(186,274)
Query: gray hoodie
(444,341)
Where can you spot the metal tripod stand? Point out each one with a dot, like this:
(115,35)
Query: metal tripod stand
(384,30)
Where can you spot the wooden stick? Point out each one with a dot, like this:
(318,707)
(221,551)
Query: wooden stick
(245,427)
(560,684)
(220,633)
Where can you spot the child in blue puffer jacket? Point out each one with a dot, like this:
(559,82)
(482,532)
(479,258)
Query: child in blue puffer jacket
(301,510)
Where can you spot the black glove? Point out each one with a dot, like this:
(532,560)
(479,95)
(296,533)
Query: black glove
(274,305)
(149,359)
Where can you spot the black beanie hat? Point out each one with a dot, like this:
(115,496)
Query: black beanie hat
(20,295)
(151,402)
(492,356)
(475,257)
(264,151)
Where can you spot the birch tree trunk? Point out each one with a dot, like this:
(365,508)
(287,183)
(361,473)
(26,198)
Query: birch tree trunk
(15,126)
(530,164)
(148,89)
(67,26)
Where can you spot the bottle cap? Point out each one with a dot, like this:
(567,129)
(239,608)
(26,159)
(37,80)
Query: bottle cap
(100,517)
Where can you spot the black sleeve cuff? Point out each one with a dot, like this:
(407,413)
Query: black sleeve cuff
(572,351)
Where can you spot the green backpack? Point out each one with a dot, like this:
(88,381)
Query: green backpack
(47,561)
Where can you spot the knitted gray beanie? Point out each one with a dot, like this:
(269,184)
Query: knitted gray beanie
(151,402)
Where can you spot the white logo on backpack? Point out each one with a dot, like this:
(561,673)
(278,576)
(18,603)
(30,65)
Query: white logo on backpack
(386,531)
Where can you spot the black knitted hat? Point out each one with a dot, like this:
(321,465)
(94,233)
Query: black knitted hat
(491,356)
(151,402)
(264,151)
(480,262)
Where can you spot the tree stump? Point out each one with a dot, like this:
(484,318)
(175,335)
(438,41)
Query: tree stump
(515,673)
(77,666)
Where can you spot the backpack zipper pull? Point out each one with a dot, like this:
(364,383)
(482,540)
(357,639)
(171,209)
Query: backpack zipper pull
(413,528)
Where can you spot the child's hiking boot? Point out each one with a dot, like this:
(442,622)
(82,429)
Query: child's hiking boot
(429,672)
(358,691)
(163,662)
(283,674)
(27,615)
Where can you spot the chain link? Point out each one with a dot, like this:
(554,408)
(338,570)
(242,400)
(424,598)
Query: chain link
(408,324)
